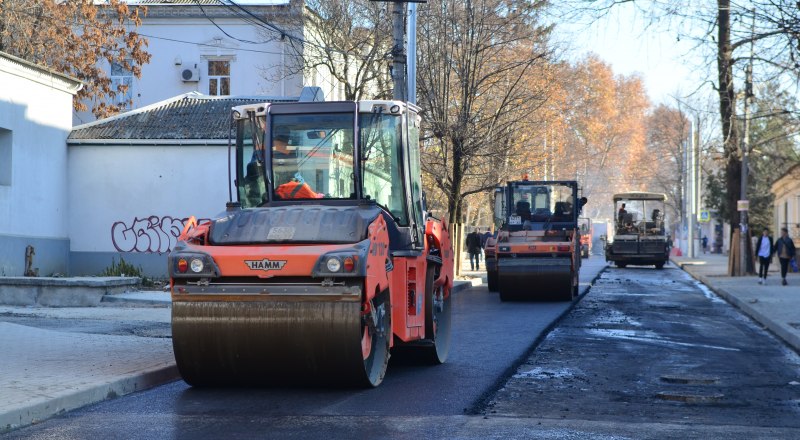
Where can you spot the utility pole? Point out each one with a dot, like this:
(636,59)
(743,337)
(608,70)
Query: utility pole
(745,261)
(691,185)
(683,244)
(411,76)
(697,176)
(399,51)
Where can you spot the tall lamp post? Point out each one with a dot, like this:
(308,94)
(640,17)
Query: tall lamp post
(745,260)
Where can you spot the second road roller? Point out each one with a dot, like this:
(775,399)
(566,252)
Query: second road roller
(325,260)
(537,250)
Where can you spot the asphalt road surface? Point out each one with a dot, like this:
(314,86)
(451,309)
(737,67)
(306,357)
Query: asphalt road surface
(646,354)
(655,346)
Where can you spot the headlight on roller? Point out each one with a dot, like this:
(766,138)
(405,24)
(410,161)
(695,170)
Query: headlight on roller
(197,265)
(333,264)
(192,265)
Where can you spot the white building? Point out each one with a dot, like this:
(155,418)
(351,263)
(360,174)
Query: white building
(216,48)
(136,178)
(787,203)
(35,120)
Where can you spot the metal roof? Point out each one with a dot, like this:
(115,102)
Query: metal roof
(191,116)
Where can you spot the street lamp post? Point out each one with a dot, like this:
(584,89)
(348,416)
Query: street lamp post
(745,262)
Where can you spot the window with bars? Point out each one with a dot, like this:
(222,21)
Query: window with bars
(121,83)
(219,77)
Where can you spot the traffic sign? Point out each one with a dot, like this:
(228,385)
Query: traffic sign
(704,217)
(743,205)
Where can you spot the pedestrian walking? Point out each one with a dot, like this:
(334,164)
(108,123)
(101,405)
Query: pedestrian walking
(705,243)
(474,248)
(765,250)
(784,247)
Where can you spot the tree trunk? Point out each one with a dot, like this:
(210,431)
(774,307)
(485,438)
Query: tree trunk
(730,130)
(455,200)
(727,110)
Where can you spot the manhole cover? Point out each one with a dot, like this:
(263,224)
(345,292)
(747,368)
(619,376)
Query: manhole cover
(689,398)
(689,379)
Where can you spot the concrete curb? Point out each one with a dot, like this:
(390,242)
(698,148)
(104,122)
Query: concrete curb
(58,404)
(765,321)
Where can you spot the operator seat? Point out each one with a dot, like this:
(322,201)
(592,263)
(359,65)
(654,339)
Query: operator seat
(561,212)
(254,183)
(524,210)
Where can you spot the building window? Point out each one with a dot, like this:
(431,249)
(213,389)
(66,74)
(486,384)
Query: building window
(219,77)
(5,157)
(121,77)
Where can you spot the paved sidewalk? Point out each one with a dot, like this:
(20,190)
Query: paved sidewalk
(47,371)
(54,360)
(774,306)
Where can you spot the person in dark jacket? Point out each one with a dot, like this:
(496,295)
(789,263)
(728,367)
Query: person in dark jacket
(474,248)
(764,250)
(784,247)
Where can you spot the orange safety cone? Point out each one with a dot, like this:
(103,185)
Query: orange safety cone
(676,252)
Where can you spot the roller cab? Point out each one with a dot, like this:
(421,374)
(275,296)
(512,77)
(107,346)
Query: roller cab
(325,260)
(538,245)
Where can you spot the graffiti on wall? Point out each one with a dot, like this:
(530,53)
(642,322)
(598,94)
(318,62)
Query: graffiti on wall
(151,234)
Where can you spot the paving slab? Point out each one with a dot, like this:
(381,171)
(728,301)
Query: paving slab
(46,372)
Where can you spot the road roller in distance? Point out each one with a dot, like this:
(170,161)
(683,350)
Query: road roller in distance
(640,236)
(538,246)
(490,247)
(324,260)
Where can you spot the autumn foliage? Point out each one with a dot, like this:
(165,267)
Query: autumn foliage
(80,39)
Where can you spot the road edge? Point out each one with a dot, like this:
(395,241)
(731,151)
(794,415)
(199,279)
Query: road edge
(60,404)
(792,340)
(483,400)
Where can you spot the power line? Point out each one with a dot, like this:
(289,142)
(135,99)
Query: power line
(208,45)
(249,17)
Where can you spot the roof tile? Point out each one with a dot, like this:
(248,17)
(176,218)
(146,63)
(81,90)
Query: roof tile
(191,116)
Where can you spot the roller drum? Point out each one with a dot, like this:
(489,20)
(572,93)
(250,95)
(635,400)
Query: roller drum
(273,342)
(535,279)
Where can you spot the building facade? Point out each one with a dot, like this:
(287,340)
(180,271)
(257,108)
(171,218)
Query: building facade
(35,120)
(786,190)
(218,48)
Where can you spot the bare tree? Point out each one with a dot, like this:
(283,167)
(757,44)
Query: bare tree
(724,32)
(74,37)
(476,59)
(347,40)
(667,134)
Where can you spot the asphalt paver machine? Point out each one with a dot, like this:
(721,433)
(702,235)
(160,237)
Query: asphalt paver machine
(325,259)
(640,236)
(537,251)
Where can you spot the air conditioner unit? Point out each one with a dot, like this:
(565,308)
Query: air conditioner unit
(190,75)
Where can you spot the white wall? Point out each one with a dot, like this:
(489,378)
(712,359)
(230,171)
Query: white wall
(134,198)
(787,204)
(256,69)
(35,119)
